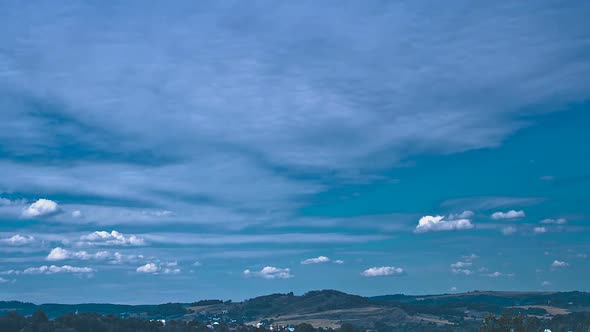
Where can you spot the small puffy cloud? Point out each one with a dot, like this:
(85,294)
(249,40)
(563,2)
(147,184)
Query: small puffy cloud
(59,254)
(499,274)
(197,263)
(339,261)
(18,240)
(438,223)
(539,230)
(148,268)
(77,214)
(546,283)
(453,289)
(316,260)
(57,269)
(460,265)
(508,230)
(41,208)
(557,264)
(463,215)
(159,268)
(512,214)
(113,238)
(466,272)
(550,221)
(382,271)
(270,272)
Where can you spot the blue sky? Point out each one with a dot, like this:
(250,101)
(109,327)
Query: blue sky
(153,153)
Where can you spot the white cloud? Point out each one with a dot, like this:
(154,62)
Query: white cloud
(466,272)
(316,260)
(547,178)
(557,264)
(382,271)
(453,289)
(546,283)
(460,265)
(339,261)
(197,263)
(509,230)
(159,268)
(270,272)
(113,238)
(17,240)
(550,221)
(512,214)
(539,230)
(58,254)
(148,268)
(499,274)
(438,223)
(57,269)
(77,214)
(41,208)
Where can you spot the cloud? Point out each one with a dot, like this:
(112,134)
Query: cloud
(546,283)
(453,289)
(57,269)
(159,268)
(316,260)
(382,271)
(470,257)
(558,264)
(114,238)
(59,254)
(270,272)
(499,274)
(558,221)
(17,240)
(41,208)
(461,264)
(438,223)
(466,272)
(197,263)
(148,268)
(512,214)
(339,261)
(539,230)
(2,281)
(463,215)
(360,126)
(76,214)
(509,230)
(547,178)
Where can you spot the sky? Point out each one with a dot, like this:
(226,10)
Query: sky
(170,152)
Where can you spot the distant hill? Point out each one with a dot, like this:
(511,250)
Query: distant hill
(331,308)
